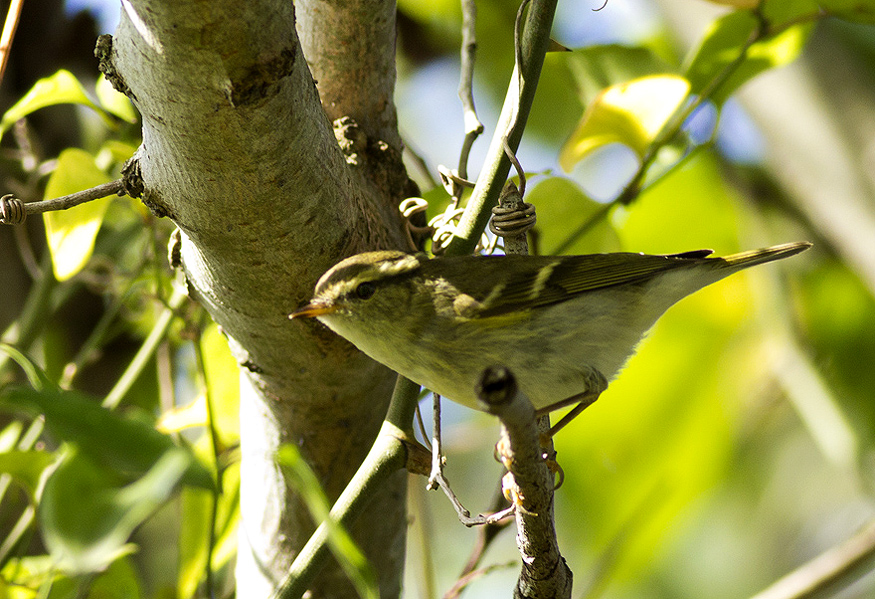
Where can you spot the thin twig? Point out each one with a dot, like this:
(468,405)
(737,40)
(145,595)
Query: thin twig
(471,576)
(830,571)
(9,27)
(12,205)
(473,126)
(437,478)
(486,534)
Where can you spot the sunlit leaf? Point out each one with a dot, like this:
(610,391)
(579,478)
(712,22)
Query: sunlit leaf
(126,445)
(630,113)
(190,415)
(440,11)
(26,467)
(87,517)
(114,101)
(10,434)
(26,575)
(223,381)
(60,88)
(596,67)
(71,233)
(720,65)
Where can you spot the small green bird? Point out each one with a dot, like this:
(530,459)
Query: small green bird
(564,325)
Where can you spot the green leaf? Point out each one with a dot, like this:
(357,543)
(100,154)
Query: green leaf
(779,13)
(562,209)
(119,581)
(862,11)
(597,67)
(60,88)
(26,467)
(194,534)
(114,101)
(721,54)
(26,574)
(631,113)
(87,518)
(350,557)
(128,446)
(113,153)
(71,233)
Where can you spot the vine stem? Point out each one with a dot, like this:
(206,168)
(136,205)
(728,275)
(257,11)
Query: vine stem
(535,41)
(473,126)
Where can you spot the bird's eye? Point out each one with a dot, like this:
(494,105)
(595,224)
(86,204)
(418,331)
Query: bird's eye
(365,290)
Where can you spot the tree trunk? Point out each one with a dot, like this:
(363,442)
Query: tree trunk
(239,152)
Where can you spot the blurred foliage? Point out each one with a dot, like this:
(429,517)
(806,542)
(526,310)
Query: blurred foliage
(736,445)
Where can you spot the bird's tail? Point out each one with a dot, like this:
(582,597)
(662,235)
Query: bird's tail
(761,256)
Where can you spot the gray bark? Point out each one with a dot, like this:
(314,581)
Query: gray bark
(239,152)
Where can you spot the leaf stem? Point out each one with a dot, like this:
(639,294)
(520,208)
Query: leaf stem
(387,455)
(135,368)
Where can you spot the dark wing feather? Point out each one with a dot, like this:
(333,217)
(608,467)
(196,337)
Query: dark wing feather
(527,288)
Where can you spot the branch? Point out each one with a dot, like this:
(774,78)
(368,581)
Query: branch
(238,152)
(544,571)
(350,47)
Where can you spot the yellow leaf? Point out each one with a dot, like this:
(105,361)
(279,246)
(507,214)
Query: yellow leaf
(60,88)
(223,381)
(631,113)
(71,233)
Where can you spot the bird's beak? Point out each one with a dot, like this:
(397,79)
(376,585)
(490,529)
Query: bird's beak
(312,310)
